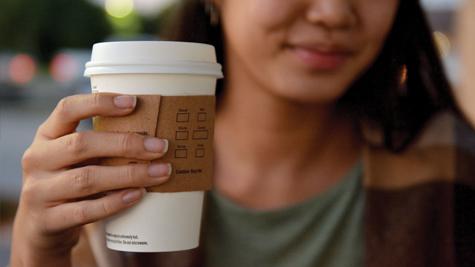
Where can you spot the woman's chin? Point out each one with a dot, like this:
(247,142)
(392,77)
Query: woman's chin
(310,98)
(311,94)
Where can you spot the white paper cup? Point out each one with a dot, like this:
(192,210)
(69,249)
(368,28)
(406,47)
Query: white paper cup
(161,222)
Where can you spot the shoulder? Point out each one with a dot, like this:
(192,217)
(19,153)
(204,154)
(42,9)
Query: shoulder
(443,152)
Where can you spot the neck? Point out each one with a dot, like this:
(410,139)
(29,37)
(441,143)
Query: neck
(266,142)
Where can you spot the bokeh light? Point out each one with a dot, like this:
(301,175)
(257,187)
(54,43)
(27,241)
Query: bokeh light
(22,69)
(126,26)
(443,43)
(63,68)
(119,8)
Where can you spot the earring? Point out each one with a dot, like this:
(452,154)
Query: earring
(403,81)
(212,12)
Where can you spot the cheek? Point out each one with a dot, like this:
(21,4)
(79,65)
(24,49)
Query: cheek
(377,21)
(255,29)
(272,14)
(258,13)
(258,20)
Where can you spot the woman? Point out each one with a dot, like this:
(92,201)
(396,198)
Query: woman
(320,97)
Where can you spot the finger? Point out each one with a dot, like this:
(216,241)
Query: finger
(90,180)
(68,215)
(80,146)
(70,110)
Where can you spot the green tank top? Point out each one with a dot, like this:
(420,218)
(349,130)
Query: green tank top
(324,231)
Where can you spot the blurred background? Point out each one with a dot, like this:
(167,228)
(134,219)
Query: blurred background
(44,45)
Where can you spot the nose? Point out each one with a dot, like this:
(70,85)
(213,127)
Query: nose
(332,14)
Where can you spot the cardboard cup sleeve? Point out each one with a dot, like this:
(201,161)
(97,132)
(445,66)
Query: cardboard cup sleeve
(187,122)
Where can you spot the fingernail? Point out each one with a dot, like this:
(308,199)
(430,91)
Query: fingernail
(132,196)
(156,145)
(125,101)
(160,170)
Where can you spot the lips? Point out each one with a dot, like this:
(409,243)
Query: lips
(320,58)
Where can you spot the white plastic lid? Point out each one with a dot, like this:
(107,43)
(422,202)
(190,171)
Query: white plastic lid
(153,57)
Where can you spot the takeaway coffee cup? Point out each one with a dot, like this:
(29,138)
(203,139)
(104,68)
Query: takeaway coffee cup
(175,84)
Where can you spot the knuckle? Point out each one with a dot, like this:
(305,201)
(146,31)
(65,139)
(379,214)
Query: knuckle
(28,159)
(126,143)
(64,106)
(95,100)
(29,190)
(81,214)
(106,208)
(77,143)
(42,128)
(130,175)
(83,181)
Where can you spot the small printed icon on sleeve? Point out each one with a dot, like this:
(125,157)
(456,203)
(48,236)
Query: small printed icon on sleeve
(181,135)
(181,153)
(183,117)
(202,116)
(200,134)
(200,153)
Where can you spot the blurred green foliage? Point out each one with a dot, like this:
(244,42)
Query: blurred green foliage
(42,26)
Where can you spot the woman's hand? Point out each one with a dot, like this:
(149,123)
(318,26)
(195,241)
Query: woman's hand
(61,193)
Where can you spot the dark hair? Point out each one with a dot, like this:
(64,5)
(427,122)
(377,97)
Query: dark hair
(399,93)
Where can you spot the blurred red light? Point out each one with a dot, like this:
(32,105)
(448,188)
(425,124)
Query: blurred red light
(22,69)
